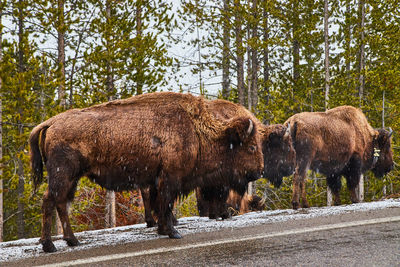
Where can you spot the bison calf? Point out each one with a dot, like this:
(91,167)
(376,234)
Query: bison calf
(337,142)
(168,141)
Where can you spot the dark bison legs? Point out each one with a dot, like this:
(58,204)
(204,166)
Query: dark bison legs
(353,175)
(352,185)
(299,188)
(335,184)
(165,199)
(60,192)
(149,196)
(47,211)
(211,202)
(202,204)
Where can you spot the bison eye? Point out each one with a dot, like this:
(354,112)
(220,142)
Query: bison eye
(252,148)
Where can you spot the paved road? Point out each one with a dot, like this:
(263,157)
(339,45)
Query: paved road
(354,239)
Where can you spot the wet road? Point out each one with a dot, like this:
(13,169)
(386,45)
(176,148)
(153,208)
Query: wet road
(355,239)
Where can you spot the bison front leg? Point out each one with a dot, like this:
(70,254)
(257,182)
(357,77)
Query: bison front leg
(353,176)
(353,186)
(166,196)
(222,197)
(47,210)
(335,184)
(299,187)
(148,207)
(202,204)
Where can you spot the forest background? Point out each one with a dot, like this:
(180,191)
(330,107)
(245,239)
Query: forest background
(275,57)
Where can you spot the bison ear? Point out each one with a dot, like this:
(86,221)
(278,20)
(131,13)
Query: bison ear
(239,130)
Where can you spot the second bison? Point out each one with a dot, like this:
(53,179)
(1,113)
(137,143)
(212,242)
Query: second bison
(337,142)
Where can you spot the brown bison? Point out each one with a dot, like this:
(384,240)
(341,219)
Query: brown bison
(279,161)
(337,142)
(166,140)
(278,153)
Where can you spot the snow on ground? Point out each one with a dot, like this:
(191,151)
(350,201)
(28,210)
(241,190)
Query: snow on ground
(25,248)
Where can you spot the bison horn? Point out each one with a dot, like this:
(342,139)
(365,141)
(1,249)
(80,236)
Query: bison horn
(287,132)
(390,131)
(250,129)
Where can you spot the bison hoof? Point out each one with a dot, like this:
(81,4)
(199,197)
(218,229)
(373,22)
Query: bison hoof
(295,205)
(212,216)
(151,223)
(175,235)
(305,206)
(72,242)
(48,246)
(225,216)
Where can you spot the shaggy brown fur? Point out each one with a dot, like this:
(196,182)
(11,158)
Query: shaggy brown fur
(166,140)
(279,161)
(278,152)
(337,142)
(247,203)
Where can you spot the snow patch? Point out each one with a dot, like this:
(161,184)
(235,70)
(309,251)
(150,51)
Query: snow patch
(26,248)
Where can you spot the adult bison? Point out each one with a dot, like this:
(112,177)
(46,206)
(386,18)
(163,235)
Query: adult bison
(166,140)
(279,161)
(278,152)
(337,142)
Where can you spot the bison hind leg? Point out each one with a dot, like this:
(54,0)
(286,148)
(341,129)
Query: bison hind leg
(48,245)
(47,214)
(63,198)
(335,184)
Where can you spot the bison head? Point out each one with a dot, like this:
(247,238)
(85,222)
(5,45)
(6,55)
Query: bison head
(279,154)
(384,163)
(244,152)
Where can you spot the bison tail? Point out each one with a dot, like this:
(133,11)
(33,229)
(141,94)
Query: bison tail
(36,139)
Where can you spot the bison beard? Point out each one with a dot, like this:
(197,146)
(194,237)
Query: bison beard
(168,141)
(337,142)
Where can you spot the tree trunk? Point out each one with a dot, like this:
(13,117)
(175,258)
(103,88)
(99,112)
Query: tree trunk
(1,151)
(249,65)
(110,209)
(61,64)
(61,52)
(239,54)
(20,167)
(266,57)
(110,220)
(225,50)
(296,49)
(20,191)
(139,70)
(326,36)
(1,132)
(327,77)
(348,43)
(361,7)
(383,126)
(254,61)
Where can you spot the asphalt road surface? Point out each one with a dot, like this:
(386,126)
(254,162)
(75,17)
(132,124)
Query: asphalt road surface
(353,239)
